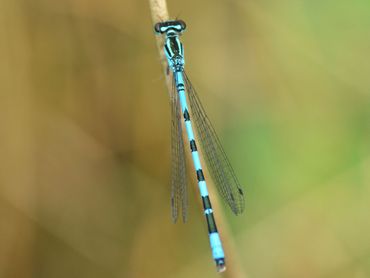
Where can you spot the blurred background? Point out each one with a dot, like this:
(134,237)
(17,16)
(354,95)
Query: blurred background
(85,138)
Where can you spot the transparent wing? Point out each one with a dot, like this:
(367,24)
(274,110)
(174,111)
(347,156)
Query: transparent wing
(179,195)
(218,164)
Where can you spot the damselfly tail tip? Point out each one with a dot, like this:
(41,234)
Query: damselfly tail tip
(220,265)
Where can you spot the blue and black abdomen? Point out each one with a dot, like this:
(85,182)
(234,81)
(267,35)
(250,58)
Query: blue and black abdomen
(217,161)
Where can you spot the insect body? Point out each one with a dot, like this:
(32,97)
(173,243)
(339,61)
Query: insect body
(215,157)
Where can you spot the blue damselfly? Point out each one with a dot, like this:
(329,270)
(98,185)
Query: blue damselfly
(215,157)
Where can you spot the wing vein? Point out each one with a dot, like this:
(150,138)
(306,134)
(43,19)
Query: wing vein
(218,164)
(179,195)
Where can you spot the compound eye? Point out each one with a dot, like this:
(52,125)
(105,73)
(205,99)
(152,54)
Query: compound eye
(157,28)
(182,24)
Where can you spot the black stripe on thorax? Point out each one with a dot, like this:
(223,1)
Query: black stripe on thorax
(168,50)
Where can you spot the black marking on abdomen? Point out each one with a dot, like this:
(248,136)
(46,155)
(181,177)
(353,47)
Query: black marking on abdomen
(206,203)
(186,115)
(220,262)
(211,223)
(200,175)
(193,146)
(180,87)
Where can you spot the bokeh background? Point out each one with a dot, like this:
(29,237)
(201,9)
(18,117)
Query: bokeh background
(85,138)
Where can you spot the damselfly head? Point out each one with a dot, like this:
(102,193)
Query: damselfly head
(177,26)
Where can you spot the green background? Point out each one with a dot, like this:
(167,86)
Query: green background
(85,138)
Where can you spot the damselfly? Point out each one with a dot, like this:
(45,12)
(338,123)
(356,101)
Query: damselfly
(215,157)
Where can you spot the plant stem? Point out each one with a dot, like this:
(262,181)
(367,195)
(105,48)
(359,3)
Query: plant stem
(160,13)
